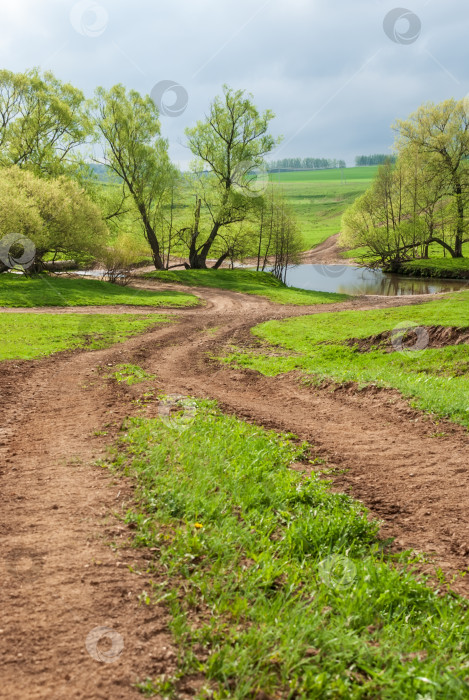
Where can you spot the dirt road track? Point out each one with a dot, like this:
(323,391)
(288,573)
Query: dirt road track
(326,253)
(60,577)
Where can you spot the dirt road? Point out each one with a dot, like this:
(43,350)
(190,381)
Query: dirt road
(326,253)
(63,582)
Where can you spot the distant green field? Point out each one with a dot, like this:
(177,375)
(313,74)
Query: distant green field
(332,175)
(320,197)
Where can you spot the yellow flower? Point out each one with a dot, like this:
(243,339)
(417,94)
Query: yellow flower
(197,525)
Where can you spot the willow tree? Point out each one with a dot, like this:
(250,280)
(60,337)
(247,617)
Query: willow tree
(385,220)
(43,123)
(439,136)
(128,128)
(229,146)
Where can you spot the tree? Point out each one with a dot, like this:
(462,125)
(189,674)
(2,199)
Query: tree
(384,219)
(54,215)
(428,192)
(134,150)
(231,142)
(440,135)
(287,241)
(279,242)
(43,123)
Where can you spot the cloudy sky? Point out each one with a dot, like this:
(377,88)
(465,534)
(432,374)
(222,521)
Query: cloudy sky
(335,76)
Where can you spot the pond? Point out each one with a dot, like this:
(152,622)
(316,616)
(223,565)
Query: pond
(348,279)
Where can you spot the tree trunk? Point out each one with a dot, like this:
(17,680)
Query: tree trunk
(199,260)
(460,223)
(195,260)
(154,245)
(445,245)
(260,240)
(221,259)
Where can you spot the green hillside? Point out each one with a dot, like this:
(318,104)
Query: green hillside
(320,197)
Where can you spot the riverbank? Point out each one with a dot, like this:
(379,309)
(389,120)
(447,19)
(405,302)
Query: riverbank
(451,268)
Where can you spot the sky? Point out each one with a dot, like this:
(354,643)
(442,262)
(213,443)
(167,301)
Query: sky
(336,73)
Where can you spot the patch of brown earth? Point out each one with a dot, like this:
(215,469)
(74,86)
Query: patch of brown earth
(412,338)
(326,253)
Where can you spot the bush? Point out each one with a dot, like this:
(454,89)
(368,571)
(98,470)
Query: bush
(54,216)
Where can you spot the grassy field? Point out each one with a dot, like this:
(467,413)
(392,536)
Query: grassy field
(248,282)
(276,585)
(436,379)
(42,290)
(320,197)
(26,336)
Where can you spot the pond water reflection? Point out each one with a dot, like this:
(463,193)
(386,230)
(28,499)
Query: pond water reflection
(348,279)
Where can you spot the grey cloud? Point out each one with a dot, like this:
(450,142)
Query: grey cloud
(334,79)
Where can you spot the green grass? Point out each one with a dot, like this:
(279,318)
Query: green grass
(320,197)
(249,282)
(437,267)
(436,379)
(435,264)
(42,290)
(130,374)
(27,336)
(276,585)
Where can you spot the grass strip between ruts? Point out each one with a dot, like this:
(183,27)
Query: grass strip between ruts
(277,586)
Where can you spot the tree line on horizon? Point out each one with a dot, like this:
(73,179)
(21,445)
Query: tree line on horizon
(375,159)
(305,164)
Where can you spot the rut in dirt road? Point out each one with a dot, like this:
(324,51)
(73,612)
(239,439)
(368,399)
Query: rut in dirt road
(396,459)
(62,579)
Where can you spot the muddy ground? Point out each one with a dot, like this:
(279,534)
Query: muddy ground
(66,564)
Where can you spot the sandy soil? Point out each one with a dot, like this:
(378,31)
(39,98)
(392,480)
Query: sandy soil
(61,511)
